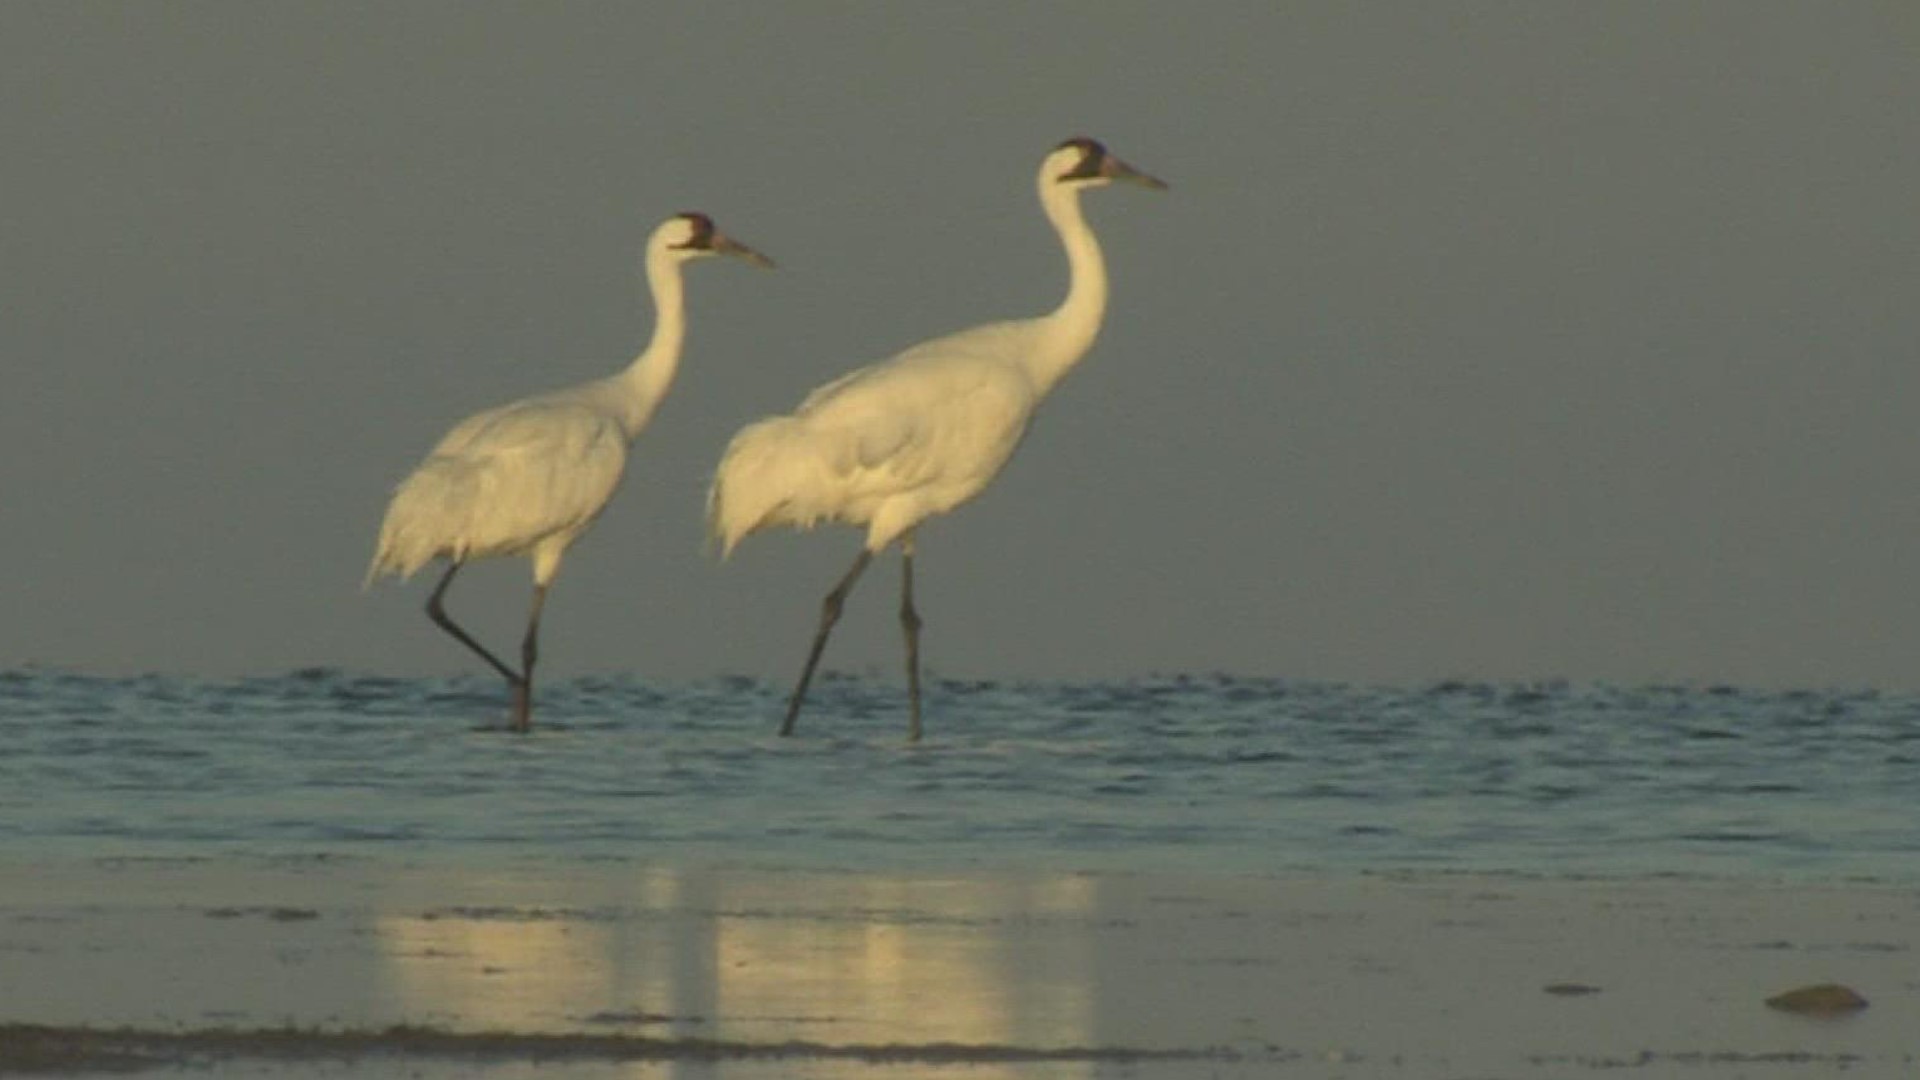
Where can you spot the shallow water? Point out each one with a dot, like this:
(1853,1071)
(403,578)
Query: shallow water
(1208,774)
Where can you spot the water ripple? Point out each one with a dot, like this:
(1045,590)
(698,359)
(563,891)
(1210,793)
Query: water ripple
(1210,772)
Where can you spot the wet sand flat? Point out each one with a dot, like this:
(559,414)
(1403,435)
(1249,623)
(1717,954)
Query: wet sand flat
(363,967)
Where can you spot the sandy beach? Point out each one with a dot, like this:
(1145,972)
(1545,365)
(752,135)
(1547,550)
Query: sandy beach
(331,967)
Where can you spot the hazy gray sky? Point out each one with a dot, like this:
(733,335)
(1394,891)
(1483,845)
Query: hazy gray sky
(1509,341)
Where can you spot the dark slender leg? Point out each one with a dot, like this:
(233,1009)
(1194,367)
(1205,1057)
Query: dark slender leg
(520,683)
(439,616)
(910,622)
(829,614)
(529,652)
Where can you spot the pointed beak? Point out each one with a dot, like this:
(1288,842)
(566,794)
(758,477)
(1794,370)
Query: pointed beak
(1114,169)
(727,245)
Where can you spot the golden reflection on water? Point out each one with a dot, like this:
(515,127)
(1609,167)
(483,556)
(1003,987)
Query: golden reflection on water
(842,959)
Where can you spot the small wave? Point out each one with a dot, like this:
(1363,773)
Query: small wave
(1235,769)
(34,1048)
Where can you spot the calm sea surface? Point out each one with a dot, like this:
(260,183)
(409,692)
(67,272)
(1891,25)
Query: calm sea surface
(1207,774)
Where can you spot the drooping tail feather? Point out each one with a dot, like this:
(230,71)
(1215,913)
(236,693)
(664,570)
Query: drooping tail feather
(773,473)
(431,515)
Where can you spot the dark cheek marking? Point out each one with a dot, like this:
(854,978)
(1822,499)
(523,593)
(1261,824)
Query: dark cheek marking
(702,238)
(1089,167)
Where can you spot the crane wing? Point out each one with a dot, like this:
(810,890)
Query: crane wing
(939,413)
(914,435)
(548,467)
(502,481)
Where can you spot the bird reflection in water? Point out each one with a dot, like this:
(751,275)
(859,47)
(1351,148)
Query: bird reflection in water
(1002,962)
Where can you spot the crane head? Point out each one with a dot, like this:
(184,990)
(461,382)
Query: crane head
(1084,162)
(692,235)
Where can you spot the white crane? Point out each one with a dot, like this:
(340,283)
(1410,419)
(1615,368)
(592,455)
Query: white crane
(529,477)
(891,445)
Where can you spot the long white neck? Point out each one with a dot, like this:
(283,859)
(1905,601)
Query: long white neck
(650,376)
(1069,330)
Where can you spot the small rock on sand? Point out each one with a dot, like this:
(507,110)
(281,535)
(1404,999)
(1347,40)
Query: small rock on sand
(1825,999)
(1569,989)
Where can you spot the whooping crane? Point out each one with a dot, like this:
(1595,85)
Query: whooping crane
(890,445)
(529,477)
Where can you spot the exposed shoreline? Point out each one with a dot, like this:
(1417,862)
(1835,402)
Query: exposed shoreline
(306,963)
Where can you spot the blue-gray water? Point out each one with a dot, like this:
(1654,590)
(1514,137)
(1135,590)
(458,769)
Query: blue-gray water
(1203,774)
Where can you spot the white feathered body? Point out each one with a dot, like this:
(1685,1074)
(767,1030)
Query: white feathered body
(916,435)
(524,478)
(885,446)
